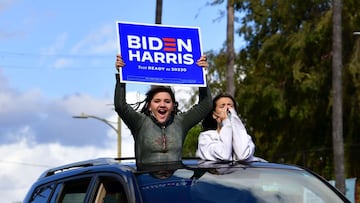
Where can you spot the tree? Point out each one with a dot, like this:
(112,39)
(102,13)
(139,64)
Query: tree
(230,59)
(286,96)
(337,126)
(282,94)
(284,81)
(191,142)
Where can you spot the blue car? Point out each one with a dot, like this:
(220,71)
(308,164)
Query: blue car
(108,180)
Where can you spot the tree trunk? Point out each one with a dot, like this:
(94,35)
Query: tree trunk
(337,121)
(230,59)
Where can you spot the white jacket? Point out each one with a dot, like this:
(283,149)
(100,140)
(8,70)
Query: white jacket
(232,140)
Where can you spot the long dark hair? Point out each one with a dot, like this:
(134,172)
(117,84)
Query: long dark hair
(150,95)
(209,123)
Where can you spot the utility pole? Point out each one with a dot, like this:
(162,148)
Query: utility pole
(118,137)
(158,12)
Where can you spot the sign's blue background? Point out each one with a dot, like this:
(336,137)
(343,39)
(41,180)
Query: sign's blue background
(194,76)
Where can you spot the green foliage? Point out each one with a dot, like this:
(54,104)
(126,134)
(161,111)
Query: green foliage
(283,80)
(191,142)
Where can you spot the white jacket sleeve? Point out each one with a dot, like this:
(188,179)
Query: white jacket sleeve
(243,145)
(214,146)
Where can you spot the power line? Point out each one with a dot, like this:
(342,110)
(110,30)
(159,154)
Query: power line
(26,164)
(47,61)
(27,54)
(42,67)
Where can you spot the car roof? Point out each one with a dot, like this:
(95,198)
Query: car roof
(189,163)
(187,171)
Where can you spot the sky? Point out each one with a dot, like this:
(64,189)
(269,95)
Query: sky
(57,61)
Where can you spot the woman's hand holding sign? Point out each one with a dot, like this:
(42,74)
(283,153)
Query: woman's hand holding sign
(203,62)
(119,62)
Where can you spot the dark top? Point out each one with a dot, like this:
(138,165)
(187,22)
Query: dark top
(154,142)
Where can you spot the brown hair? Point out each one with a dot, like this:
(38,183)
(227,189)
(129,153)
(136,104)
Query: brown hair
(150,95)
(209,123)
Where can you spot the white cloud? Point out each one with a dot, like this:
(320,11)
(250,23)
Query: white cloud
(28,155)
(92,48)
(183,96)
(26,158)
(99,41)
(37,133)
(57,46)
(5,4)
(54,50)
(51,120)
(63,62)
(26,161)
(78,103)
(12,101)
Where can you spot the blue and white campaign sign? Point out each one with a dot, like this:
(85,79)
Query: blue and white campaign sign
(159,54)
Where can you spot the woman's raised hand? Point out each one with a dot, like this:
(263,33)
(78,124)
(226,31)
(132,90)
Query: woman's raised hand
(119,62)
(202,62)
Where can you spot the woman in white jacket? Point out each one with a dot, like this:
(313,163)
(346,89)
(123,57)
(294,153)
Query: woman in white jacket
(224,136)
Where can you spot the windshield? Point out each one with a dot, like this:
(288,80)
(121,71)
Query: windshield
(235,185)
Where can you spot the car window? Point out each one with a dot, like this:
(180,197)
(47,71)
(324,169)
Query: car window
(102,188)
(74,191)
(265,185)
(42,193)
(56,193)
(165,186)
(110,190)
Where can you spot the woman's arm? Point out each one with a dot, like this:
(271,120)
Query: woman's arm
(214,147)
(125,111)
(243,145)
(130,117)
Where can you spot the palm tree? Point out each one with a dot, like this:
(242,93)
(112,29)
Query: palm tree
(230,59)
(337,122)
